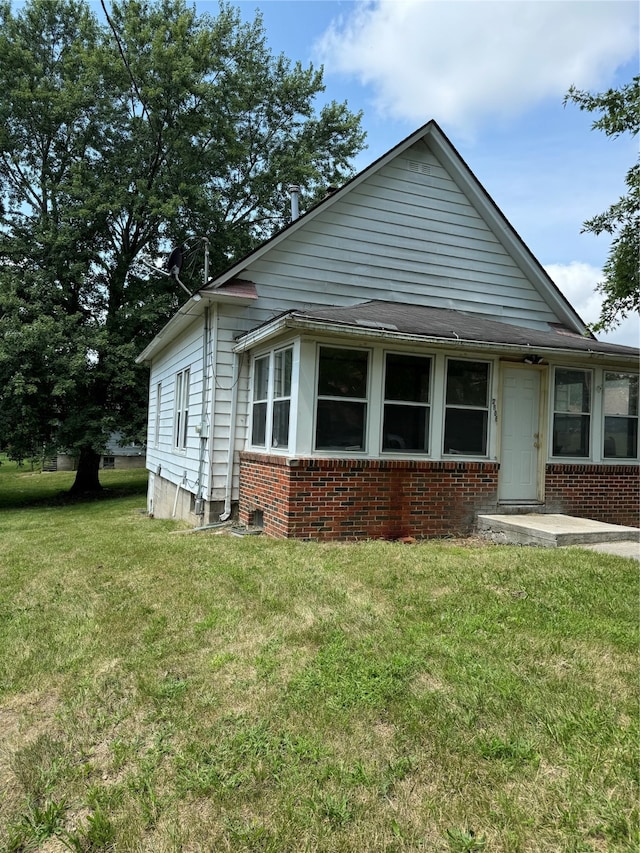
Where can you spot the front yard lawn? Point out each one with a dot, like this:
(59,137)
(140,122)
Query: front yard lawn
(208,692)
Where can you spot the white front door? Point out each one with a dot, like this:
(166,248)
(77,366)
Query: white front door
(520,435)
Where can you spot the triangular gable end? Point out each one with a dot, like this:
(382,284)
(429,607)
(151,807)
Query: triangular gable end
(416,226)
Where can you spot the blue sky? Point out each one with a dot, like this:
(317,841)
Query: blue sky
(493,74)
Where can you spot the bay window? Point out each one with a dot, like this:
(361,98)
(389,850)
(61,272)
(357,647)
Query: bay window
(282,361)
(466,408)
(341,412)
(260,401)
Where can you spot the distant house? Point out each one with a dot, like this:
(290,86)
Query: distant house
(115,455)
(392,363)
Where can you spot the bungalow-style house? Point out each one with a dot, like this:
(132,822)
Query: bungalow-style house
(392,363)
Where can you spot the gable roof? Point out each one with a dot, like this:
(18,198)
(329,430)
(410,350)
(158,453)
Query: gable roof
(398,321)
(432,136)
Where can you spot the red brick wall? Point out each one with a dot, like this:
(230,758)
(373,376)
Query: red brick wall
(608,493)
(348,499)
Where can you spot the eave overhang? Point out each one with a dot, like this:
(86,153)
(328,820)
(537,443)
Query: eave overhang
(299,325)
(194,308)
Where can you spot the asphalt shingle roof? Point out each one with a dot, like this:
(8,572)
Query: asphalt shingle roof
(446,323)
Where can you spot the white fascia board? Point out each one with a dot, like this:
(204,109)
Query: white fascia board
(183,318)
(355,333)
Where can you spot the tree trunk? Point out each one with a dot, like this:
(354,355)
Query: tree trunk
(87,480)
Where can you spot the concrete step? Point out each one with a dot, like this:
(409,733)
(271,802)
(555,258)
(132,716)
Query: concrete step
(552,531)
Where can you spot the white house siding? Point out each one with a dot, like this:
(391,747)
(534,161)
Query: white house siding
(177,467)
(230,323)
(401,235)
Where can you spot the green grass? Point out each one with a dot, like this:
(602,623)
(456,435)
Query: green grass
(170,692)
(26,485)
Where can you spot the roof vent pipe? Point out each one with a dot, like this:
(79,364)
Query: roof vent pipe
(294,190)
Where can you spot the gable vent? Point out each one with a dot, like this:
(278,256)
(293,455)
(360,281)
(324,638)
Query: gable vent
(420,168)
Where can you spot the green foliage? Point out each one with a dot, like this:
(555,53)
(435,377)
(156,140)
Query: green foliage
(620,113)
(117,141)
(97,833)
(35,825)
(464,841)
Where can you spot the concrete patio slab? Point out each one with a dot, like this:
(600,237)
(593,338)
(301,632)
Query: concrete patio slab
(550,530)
(620,549)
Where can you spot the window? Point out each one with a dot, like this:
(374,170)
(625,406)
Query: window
(181,421)
(571,412)
(407,381)
(260,401)
(620,416)
(467,408)
(156,428)
(282,362)
(108,462)
(272,392)
(342,399)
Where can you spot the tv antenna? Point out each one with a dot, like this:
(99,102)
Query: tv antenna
(174,262)
(174,265)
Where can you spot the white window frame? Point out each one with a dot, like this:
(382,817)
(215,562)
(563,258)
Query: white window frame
(281,394)
(359,401)
(612,416)
(568,413)
(156,424)
(392,402)
(181,413)
(272,397)
(452,454)
(260,399)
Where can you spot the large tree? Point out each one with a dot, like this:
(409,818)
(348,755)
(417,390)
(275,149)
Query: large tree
(119,138)
(619,111)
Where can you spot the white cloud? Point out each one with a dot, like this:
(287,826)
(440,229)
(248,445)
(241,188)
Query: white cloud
(578,281)
(460,60)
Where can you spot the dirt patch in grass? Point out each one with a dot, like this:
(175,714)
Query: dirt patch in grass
(25,716)
(24,721)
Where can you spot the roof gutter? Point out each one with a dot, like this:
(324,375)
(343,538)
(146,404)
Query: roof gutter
(265,333)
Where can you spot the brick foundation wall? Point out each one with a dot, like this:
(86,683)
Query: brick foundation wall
(357,499)
(609,493)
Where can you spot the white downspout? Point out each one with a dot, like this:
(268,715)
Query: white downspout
(212,358)
(232,439)
(204,429)
(175,503)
